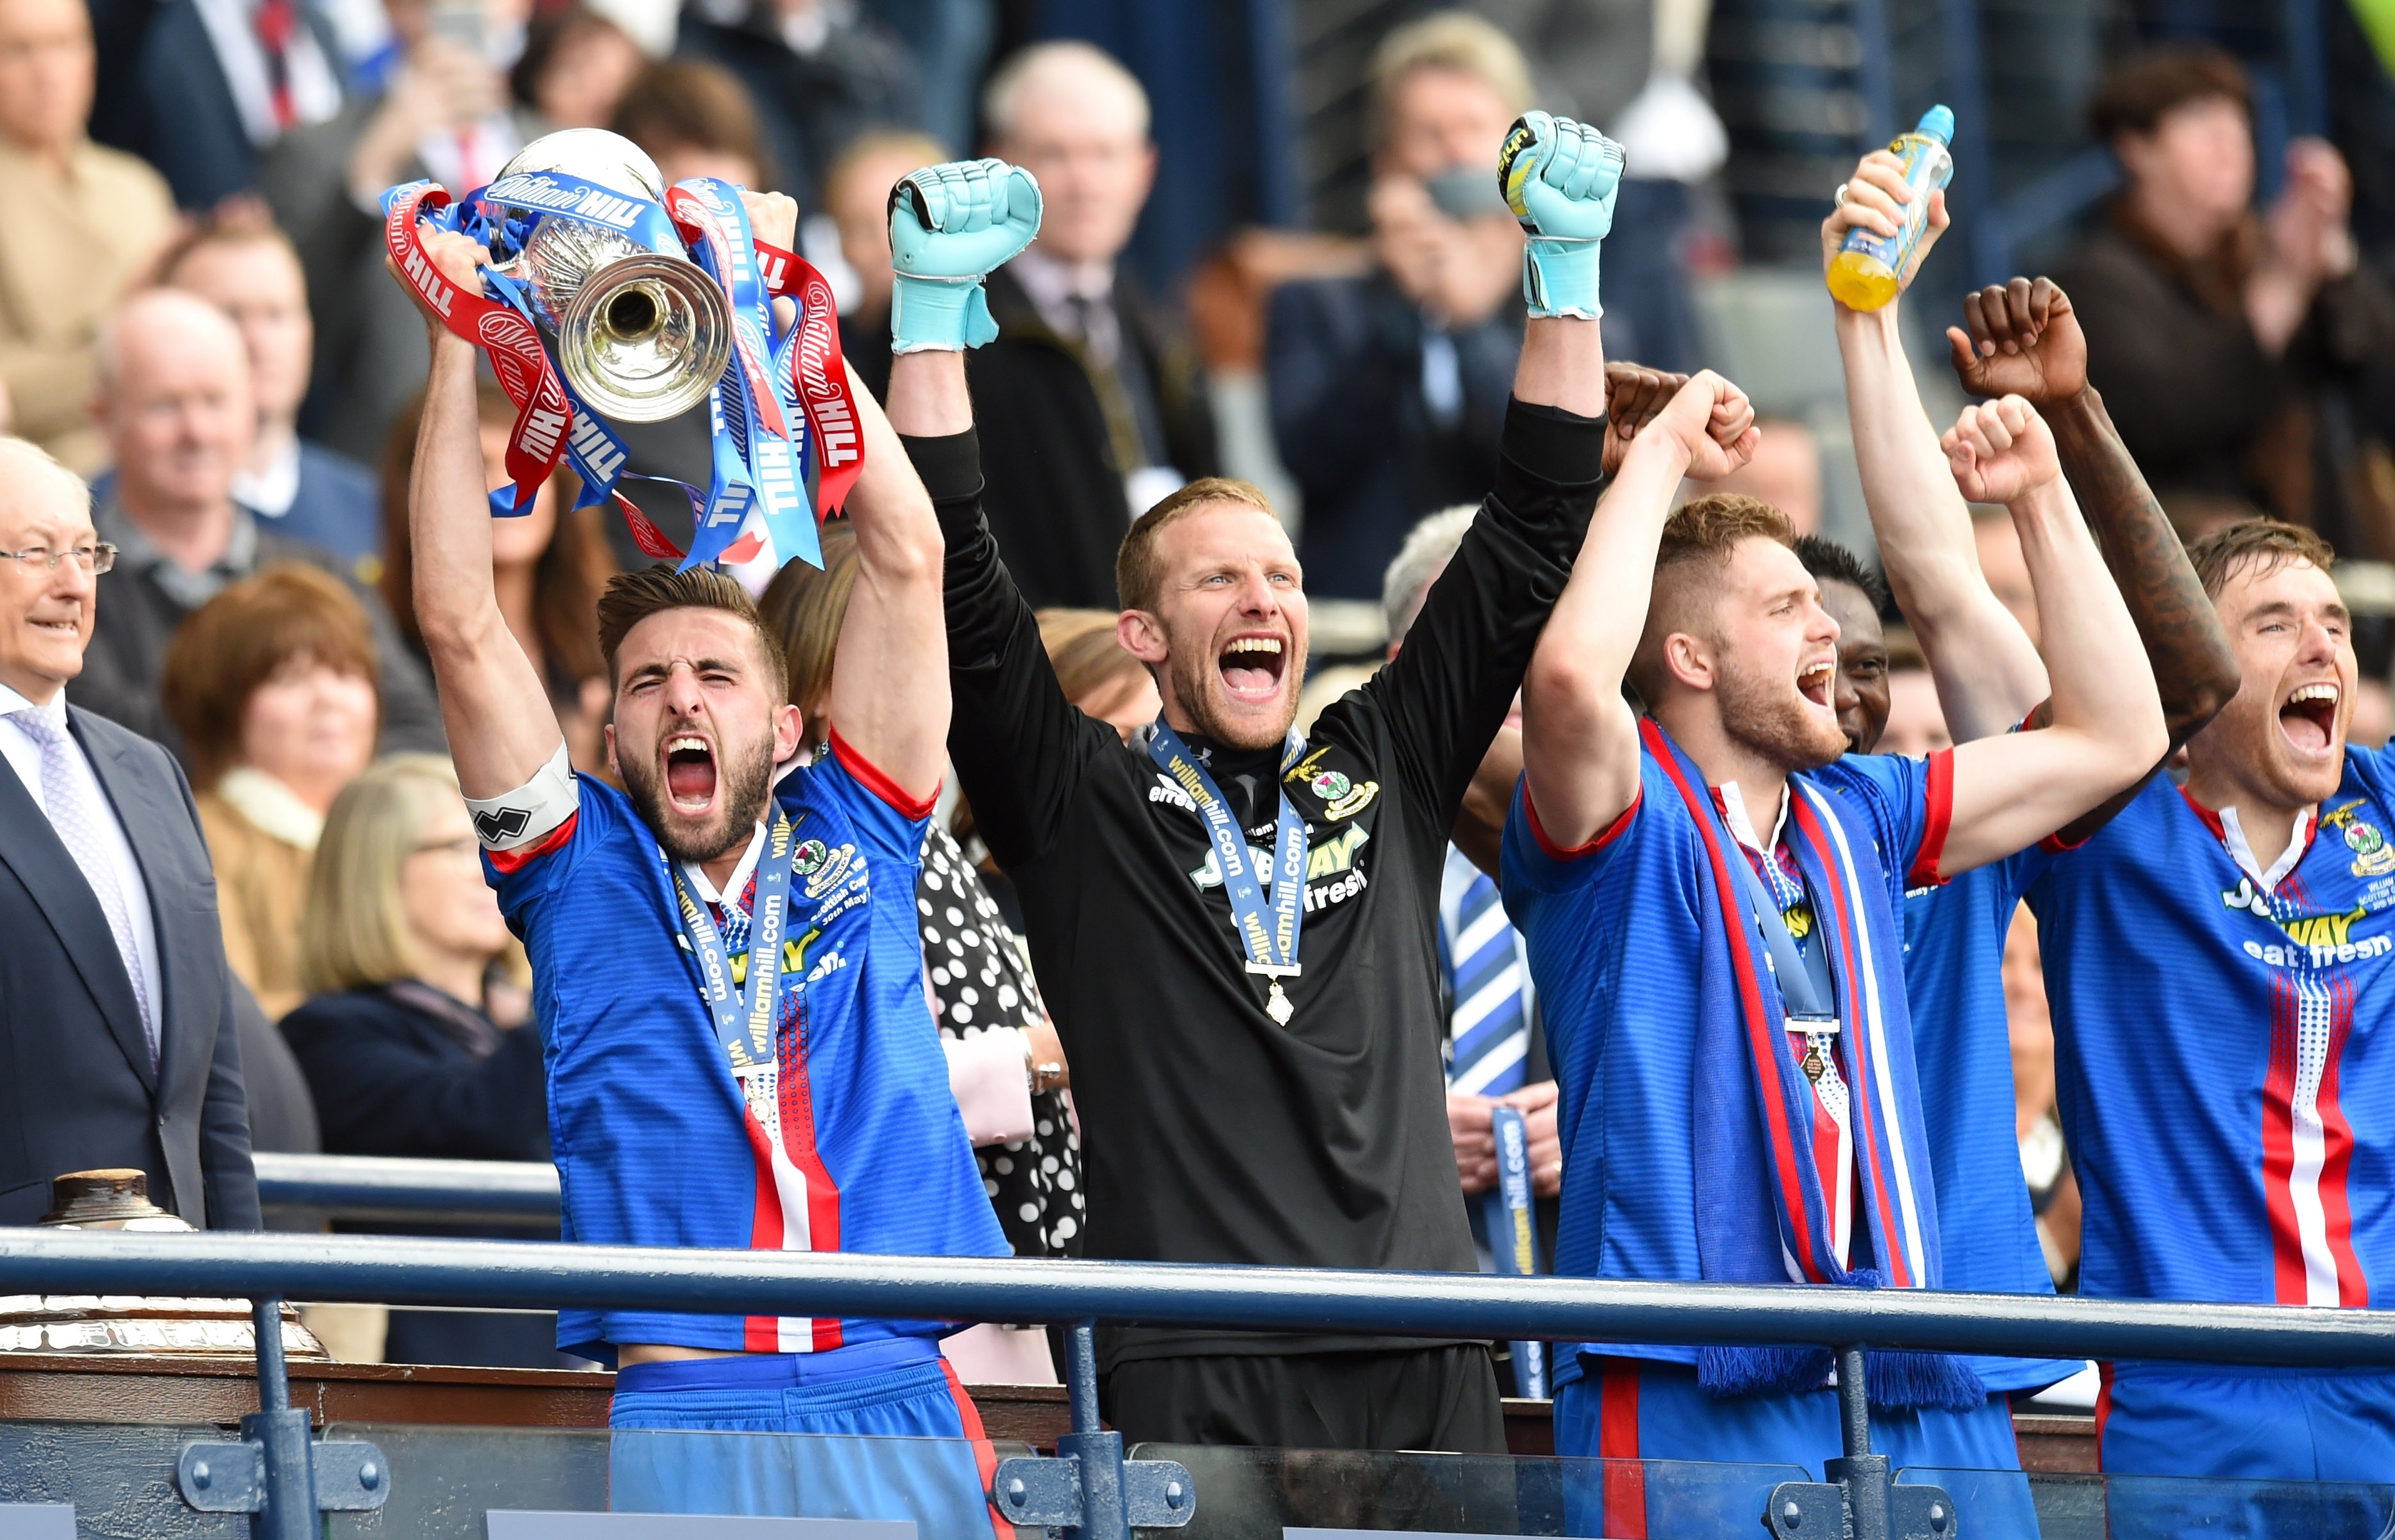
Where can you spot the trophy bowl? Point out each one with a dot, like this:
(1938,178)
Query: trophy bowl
(641,335)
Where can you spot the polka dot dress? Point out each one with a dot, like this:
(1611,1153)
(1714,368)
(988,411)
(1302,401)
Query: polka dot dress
(981,979)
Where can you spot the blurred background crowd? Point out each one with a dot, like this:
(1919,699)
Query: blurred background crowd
(1273,248)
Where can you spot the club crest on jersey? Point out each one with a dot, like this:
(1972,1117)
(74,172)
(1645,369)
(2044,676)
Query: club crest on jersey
(1341,797)
(823,866)
(2372,855)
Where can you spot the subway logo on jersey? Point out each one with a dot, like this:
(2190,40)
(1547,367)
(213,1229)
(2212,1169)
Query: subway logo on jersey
(2316,940)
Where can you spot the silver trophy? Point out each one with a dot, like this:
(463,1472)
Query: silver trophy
(641,335)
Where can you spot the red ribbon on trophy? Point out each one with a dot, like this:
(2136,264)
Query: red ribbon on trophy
(819,373)
(513,346)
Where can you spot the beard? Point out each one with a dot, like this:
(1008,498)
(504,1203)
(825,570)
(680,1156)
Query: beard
(1196,676)
(743,782)
(1765,715)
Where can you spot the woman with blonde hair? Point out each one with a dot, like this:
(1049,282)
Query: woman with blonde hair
(271,684)
(401,947)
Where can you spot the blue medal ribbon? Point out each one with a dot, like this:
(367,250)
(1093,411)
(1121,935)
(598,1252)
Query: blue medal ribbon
(556,195)
(1271,946)
(744,1016)
(1512,1233)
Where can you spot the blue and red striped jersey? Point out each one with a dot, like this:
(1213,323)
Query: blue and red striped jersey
(2225,1048)
(655,1146)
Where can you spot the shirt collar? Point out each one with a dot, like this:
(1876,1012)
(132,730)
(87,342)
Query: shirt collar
(1742,828)
(191,590)
(11,703)
(739,882)
(2232,836)
(274,489)
(1050,281)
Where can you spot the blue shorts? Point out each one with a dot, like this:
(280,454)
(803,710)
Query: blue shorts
(2252,1424)
(890,1435)
(1727,1454)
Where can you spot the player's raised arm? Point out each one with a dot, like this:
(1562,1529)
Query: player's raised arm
(2106,730)
(2025,340)
(1580,738)
(501,728)
(1988,672)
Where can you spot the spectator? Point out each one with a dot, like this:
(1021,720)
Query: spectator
(1388,389)
(548,568)
(1916,722)
(1004,1063)
(2045,1161)
(1089,410)
(271,685)
(401,941)
(818,73)
(2217,337)
(203,89)
(445,115)
(694,119)
(116,1009)
(175,407)
(858,196)
(1630,65)
(1785,472)
(575,68)
(82,223)
(247,268)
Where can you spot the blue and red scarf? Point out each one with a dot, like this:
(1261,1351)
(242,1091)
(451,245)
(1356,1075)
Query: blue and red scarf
(1756,1105)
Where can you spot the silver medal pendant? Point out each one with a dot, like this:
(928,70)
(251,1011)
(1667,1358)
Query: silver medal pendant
(1278,1006)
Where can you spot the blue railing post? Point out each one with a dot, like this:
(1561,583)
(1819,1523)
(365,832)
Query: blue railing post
(1100,1450)
(282,1435)
(1864,1474)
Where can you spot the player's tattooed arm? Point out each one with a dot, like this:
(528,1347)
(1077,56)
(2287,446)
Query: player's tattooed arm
(2025,340)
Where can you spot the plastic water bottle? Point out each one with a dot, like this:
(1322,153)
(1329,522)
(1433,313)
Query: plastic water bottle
(1864,273)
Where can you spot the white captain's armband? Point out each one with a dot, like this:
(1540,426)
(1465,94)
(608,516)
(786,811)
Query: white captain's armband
(530,813)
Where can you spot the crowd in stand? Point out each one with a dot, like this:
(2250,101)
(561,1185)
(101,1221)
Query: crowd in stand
(195,321)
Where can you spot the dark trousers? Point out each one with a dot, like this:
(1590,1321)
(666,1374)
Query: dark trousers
(1423,1398)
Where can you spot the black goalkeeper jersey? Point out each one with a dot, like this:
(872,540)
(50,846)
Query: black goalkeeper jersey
(1209,1131)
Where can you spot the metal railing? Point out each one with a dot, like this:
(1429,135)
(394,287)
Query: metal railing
(1091,1488)
(408,1191)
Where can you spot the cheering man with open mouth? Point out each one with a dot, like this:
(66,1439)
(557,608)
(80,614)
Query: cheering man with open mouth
(728,977)
(1236,926)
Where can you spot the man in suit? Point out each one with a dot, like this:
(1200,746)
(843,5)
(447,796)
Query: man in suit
(176,406)
(202,88)
(1089,412)
(116,1013)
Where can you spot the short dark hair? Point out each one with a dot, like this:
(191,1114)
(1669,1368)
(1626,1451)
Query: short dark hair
(1830,562)
(688,103)
(2272,543)
(2142,89)
(1137,574)
(631,597)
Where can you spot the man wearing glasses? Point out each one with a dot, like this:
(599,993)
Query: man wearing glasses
(116,1009)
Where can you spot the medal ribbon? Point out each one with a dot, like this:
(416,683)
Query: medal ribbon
(1272,949)
(1511,1232)
(744,1016)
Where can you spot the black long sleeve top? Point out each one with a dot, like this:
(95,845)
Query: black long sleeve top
(1212,1133)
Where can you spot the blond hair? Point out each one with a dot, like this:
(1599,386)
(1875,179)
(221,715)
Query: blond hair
(1139,576)
(1002,99)
(1450,40)
(355,933)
